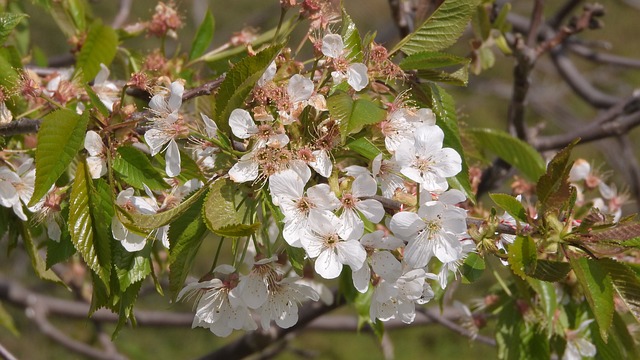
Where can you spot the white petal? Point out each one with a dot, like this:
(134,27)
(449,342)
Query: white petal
(172,158)
(322,165)
(242,124)
(386,265)
(332,45)
(357,76)
(371,209)
(175,97)
(361,278)
(93,143)
(364,185)
(418,252)
(327,264)
(156,139)
(351,253)
(406,224)
(268,74)
(244,170)
(8,194)
(17,209)
(580,170)
(102,76)
(97,167)
(446,248)
(158,104)
(300,88)
(209,126)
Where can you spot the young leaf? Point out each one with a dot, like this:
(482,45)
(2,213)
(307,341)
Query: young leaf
(131,267)
(204,36)
(626,283)
(511,205)
(547,294)
(444,107)
(512,150)
(459,77)
(37,263)
(8,21)
(353,115)
(472,268)
(90,215)
(365,147)
(238,84)
(551,271)
(99,48)
(351,38)
(134,167)
(427,60)
(222,212)
(523,256)
(440,30)
(124,304)
(185,236)
(598,289)
(60,137)
(553,187)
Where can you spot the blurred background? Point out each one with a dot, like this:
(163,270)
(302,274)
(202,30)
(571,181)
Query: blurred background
(553,107)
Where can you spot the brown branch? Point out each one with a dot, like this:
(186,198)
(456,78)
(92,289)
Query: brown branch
(123,14)
(402,16)
(5,354)
(598,57)
(456,328)
(536,20)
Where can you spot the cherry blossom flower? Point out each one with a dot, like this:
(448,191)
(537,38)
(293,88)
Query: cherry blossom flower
(17,187)
(300,94)
(401,123)
(397,299)
(353,205)
(167,126)
(282,302)
(578,346)
(384,171)
(327,240)
(287,189)
(468,246)
(5,114)
(355,73)
(383,263)
(426,161)
(47,212)
(268,74)
(106,90)
(432,231)
(243,126)
(96,161)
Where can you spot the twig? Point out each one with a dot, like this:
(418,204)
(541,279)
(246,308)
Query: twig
(563,12)
(5,354)
(456,328)
(402,16)
(20,126)
(592,55)
(632,168)
(123,14)
(204,89)
(536,20)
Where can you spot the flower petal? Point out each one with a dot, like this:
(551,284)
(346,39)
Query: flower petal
(172,159)
(357,76)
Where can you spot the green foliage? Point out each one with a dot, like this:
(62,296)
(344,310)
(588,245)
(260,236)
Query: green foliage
(37,262)
(440,30)
(444,107)
(511,205)
(99,47)
(517,339)
(523,256)
(90,215)
(131,267)
(96,102)
(224,212)
(553,188)
(8,22)
(427,60)
(353,114)
(59,251)
(365,147)
(459,77)
(472,268)
(547,295)
(60,137)
(203,37)
(238,83)
(512,150)
(551,271)
(598,289)
(351,39)
(134,167)
(626,283)
(6,321)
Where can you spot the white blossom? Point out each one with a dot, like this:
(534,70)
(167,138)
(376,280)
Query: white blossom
(386,173)
(383,263)
(243,126)
(96,161)
(401,123)
(282,302)
(353,205)
(106,90)
(355,73)
(397,299)
(578,347)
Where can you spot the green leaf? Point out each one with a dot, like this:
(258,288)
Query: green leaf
(551,271)
(59,251)
(512,150)
(459,77)
(8,22)
(296,257)
(90,215)
(8,80)
(131,267)
(523,256)
(99,48)
(222,210)
(547,294)
(146,223)
(204,36)
(39,265)
(351,39)
(353,115)
(427,60)
(444,107)
(60,137)
(511,205)
(365,147)
(626,283)
(238,83)
(553,187)
(124,303)
(598,289)
(96,102)
(185,237)
(440,30)
(472,268)
(6,321)
(623,339)
(134,167)
(238,230)
(516,340)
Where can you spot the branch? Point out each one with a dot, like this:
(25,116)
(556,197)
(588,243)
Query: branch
(563,12)
(5,354)
(457,328)
(592,55)
(401,12)
(123,14)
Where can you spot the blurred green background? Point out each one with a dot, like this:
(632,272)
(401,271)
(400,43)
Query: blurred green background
(483,103)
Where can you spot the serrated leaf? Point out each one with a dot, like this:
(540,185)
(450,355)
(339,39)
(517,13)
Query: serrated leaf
(512,150)
(511,205)
(459,77)
(203,37)
(238,83)
(134,167)
(353,115)
(185,237)
(59,251)
(351,39)
(37,263)
(146,223)
(296,257)
(8,22)
(96,102)
(523,256)
(222,208)
(365,147)
(444,107)
(6,321)
(472,268)
(124,303)
(238,230)
(516,340)
(60,137)
(626,283)
(440,30)
(598,289)
(427,60)
(547,294)
(131,267)
(99,48)
(553,187)
(551,271)
(90,214)
(623,338)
